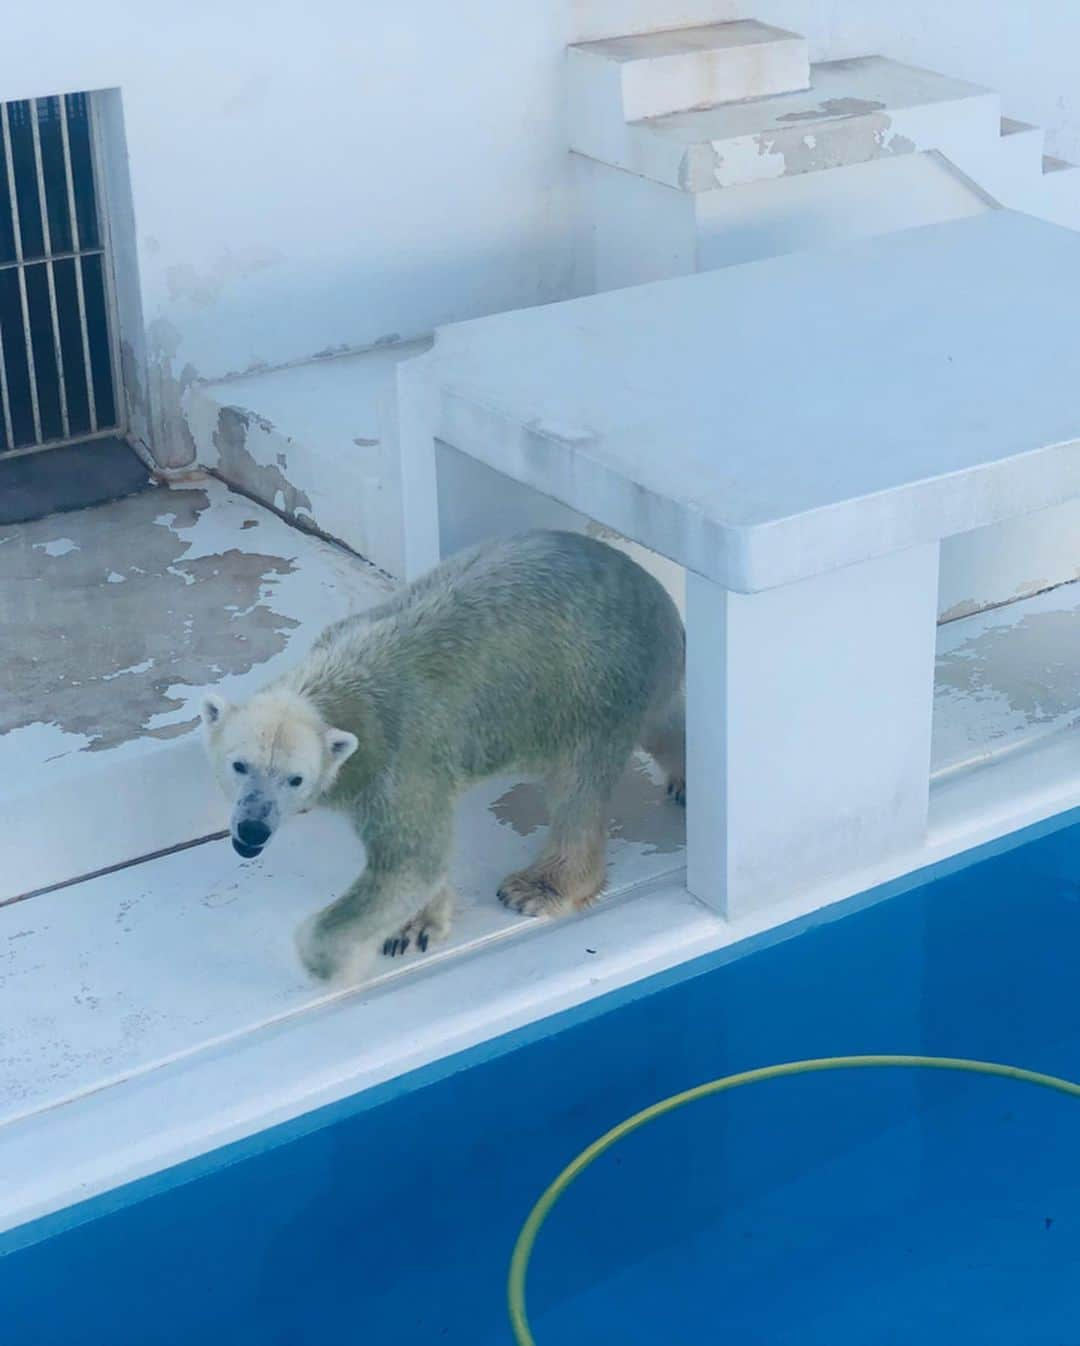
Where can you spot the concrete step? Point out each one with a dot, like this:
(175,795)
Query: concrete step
(317,442)
(114,622)
(679,233)
(1058,194)
(1022,143)
(853,112)
(1008,169)
(656,73)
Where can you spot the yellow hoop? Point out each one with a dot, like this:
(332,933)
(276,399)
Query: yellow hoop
(519,1262)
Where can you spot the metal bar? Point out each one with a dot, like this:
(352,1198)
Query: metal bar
(55,257)
(112,312)
(46,235)
(9,429)
(47,444)
(70,179)
(5,129)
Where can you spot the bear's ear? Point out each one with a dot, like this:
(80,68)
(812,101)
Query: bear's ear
(341,745)
(214,710)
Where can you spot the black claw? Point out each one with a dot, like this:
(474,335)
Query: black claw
(388,948)
(422,940)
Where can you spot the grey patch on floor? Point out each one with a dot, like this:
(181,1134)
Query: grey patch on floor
(98,624)
(78,476)
(641,811)
(1034,664)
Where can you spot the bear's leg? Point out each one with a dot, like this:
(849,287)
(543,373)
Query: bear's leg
(570,871)
(663,737)
(428,926)
(406,871)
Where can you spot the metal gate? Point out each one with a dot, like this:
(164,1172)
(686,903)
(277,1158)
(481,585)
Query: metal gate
(57,328)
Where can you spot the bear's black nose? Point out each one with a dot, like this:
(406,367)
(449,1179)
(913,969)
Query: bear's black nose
(253,834)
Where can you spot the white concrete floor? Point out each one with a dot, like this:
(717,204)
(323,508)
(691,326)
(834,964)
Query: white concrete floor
(114,622)
(1006,679)
(130,970)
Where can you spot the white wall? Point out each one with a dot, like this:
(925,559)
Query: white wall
(332,175)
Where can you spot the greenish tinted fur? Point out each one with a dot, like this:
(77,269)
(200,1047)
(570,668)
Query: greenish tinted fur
(548,654)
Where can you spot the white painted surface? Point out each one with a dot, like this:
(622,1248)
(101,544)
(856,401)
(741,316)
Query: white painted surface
(306,182)
(287,209)
(643,231)
(732,445)
(675,69)
(818,189)
(132,970)
(1009,560)
(854,111)
(328,428)
(69,808)
(808,728)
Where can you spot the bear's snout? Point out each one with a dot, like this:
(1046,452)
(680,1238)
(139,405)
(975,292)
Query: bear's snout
(250,837)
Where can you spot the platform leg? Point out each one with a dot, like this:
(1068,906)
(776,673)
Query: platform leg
(809,713)
(416,453)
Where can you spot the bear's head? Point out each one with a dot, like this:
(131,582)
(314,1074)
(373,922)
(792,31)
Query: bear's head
(274,756)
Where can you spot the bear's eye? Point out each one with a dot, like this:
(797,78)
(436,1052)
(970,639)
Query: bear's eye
(296,781)
(240,768)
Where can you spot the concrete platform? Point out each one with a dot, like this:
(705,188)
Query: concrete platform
(114,621)
(128,971)
(317,442)
(708,417)
(854,111)
(652,74)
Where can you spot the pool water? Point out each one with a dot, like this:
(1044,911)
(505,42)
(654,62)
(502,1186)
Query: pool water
(861,1208)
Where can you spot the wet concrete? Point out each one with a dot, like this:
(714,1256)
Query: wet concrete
(105,617)
(1033,663)
(641,811)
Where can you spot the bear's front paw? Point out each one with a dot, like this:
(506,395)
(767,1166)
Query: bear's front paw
(316,948)
(329,954)
(427,927)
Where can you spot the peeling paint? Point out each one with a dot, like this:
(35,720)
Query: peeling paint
(68,629)
(843,141)
(265,481)
(172,440)
(135,393)
(835,107)
(58,547)
(1033,663)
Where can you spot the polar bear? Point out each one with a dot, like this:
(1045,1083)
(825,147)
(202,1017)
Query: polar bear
(551,654)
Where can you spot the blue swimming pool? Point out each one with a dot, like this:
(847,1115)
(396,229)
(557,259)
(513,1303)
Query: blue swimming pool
(841,1210)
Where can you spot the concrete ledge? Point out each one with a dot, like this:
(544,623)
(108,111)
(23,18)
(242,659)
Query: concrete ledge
(655,73)
(711,418)
(853,112)
(317,442)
